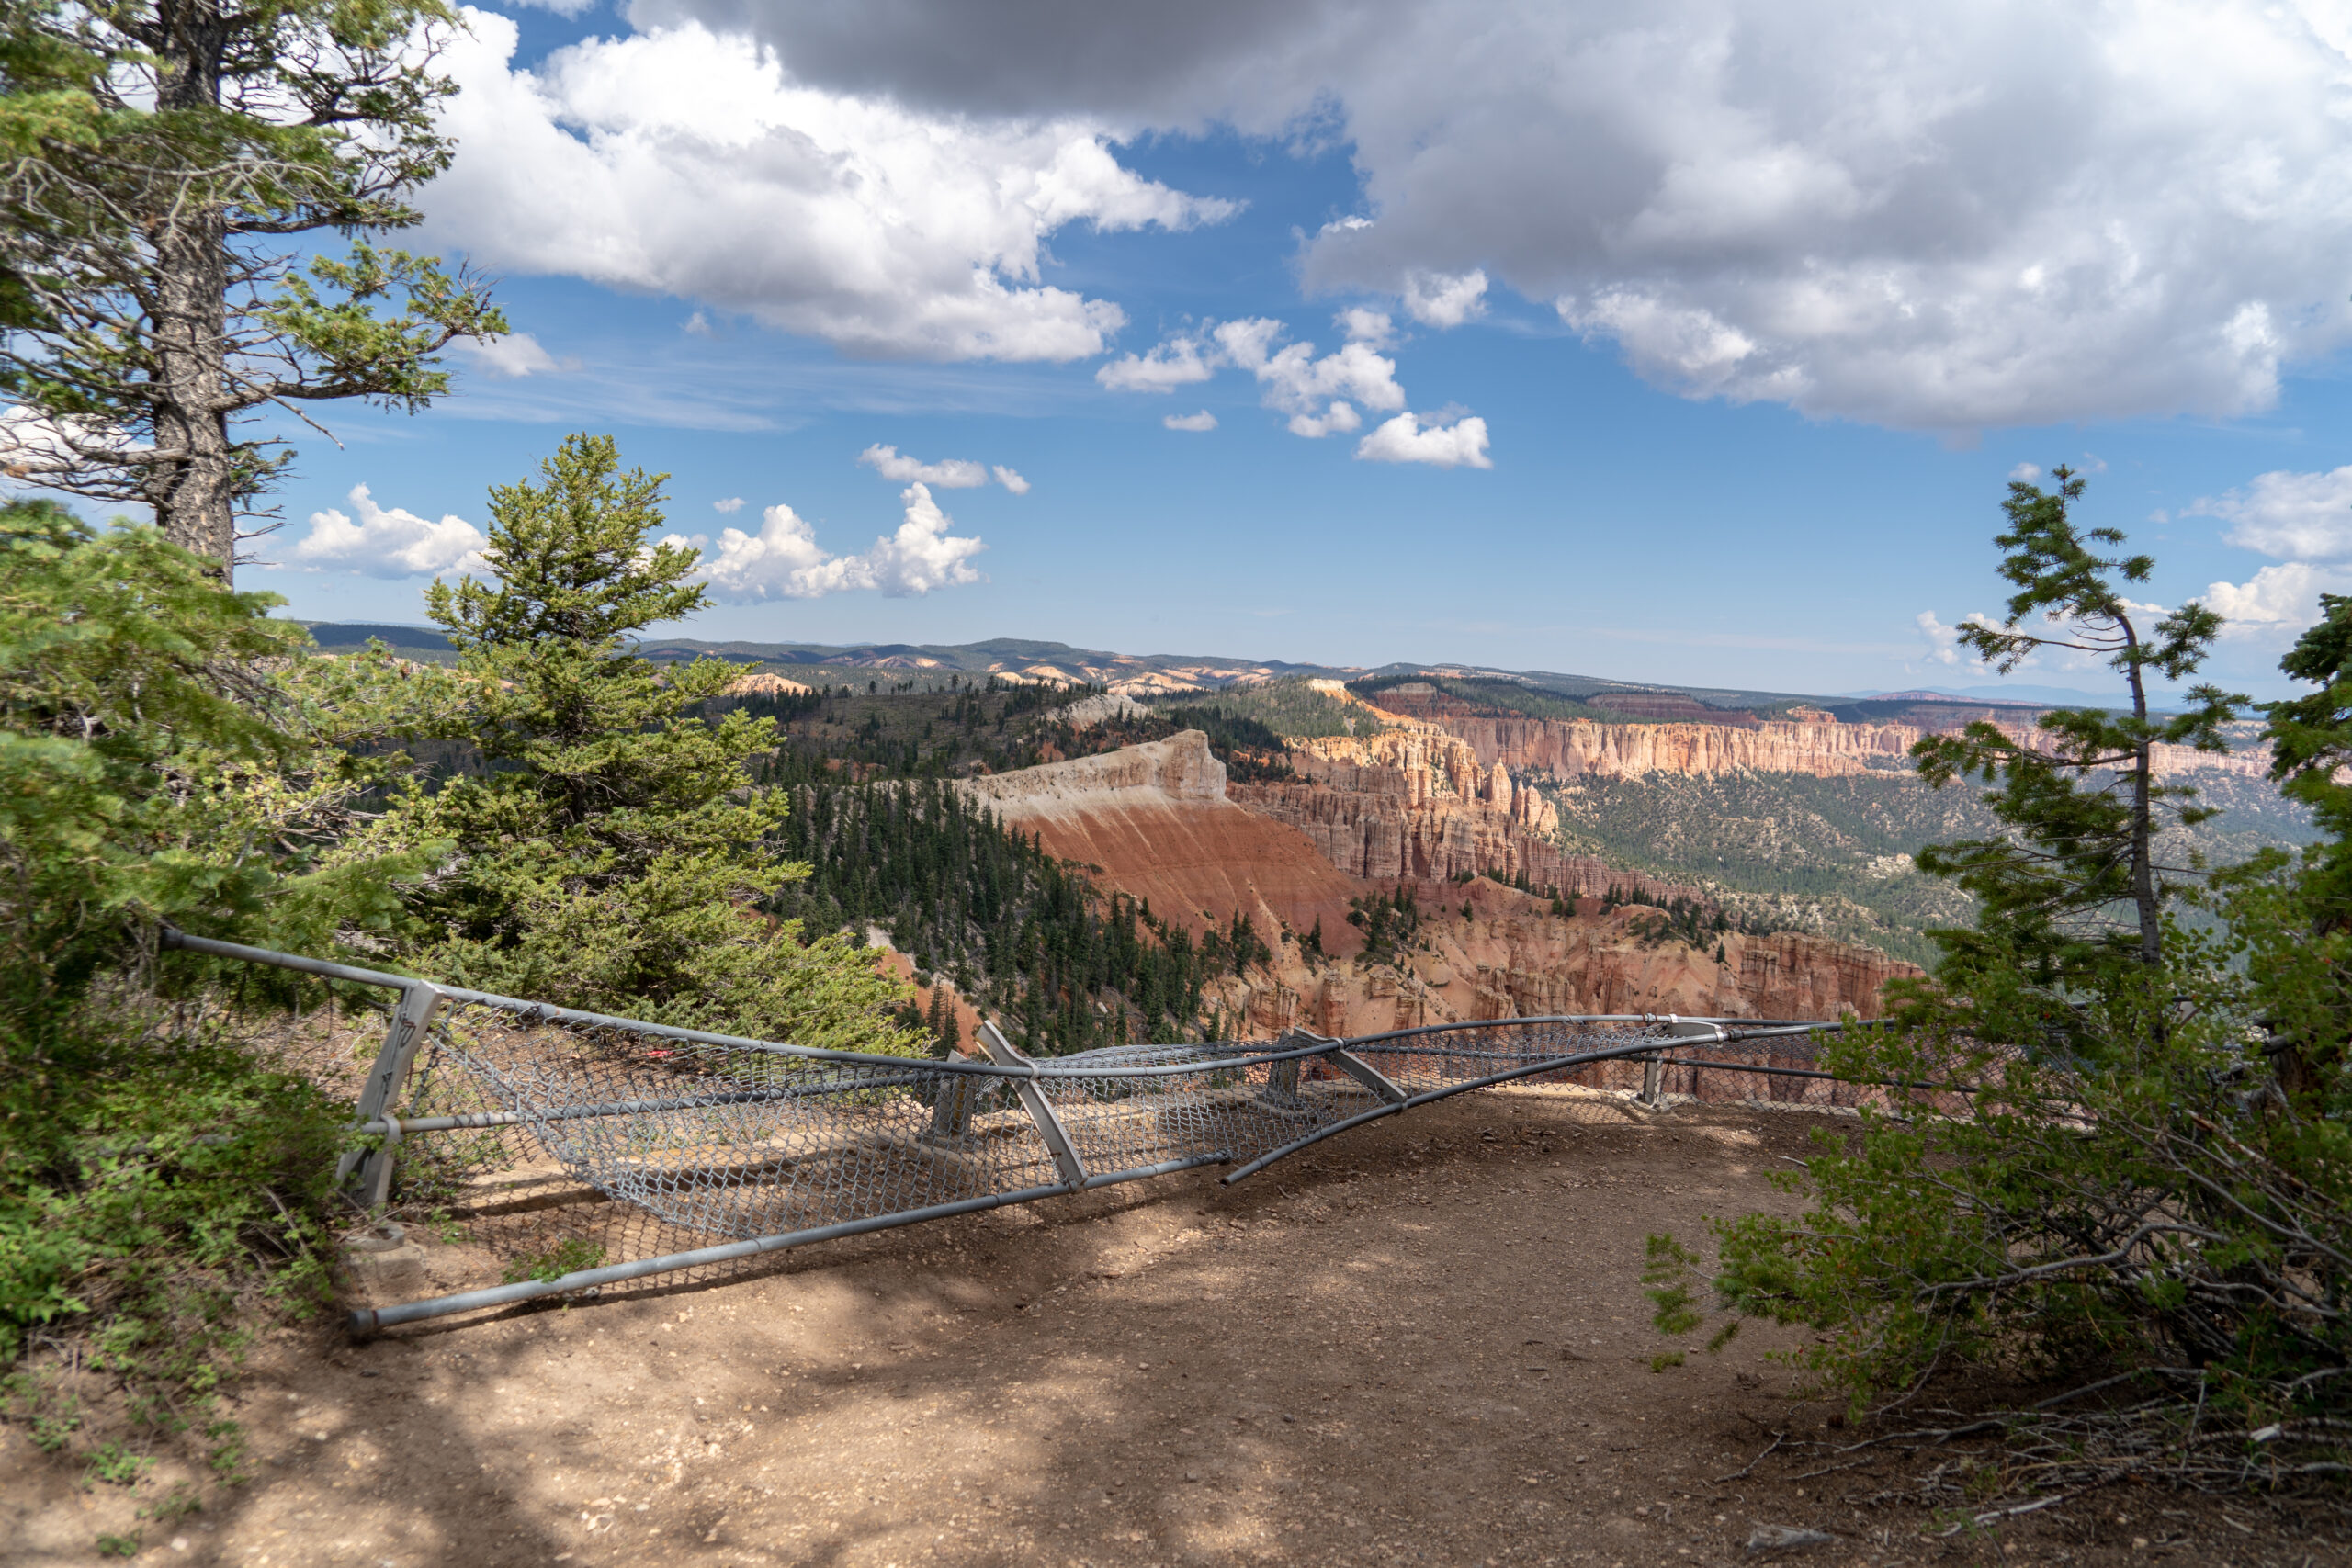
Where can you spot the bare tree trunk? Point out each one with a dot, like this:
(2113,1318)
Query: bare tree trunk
(2143,847)
(194,496)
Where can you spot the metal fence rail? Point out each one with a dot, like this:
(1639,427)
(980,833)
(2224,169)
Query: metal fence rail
(577,1151)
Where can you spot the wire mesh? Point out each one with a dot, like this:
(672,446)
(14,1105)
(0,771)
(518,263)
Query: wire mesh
(590,1145)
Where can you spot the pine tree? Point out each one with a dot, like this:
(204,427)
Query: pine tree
(166,166)
(613,854)
(2083,800)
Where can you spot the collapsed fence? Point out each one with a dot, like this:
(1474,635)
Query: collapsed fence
(584,1151)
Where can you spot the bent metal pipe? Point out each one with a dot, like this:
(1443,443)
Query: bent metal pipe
(749,1147)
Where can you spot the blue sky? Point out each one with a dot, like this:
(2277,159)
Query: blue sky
(1736,405)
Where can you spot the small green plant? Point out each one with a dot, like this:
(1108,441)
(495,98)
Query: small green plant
(116,1465)
(121,1545)
(178,1503)
(50,1417)
(568,1256)
(1665,1358)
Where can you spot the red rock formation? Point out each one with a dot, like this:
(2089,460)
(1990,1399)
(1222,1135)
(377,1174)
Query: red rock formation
(1416,806)
(1512,958)
(1153,821)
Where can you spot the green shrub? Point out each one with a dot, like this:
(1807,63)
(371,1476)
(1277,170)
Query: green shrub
(2139,1215)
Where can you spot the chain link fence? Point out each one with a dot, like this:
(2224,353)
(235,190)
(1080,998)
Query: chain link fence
(559,1151)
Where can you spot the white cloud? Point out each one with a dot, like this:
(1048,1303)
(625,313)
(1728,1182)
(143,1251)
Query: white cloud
(1943,641)
(783,559)
(1947,217)
(2293,516)
(731,505)
(515,356)
(2026,473)
(1178,362)
(1371,328)
(387,542)
(1435,299)
(1010,479)
(1403,440)
(955,473)
(2277,603)
(565,8)
(1318,394)
(685,160)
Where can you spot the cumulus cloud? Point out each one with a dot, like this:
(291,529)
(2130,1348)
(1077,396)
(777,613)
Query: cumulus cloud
(1943,641)
(2277,603)
(1318,394)
(515,356)
(1176,362)
(731,505)
(2294,516)
(685,160)
(1371,328)
(387,542)
(2026,473)
(783,559)
(1943,218)
(1404,439)
(1010,479)
(955,473)
(1435,299)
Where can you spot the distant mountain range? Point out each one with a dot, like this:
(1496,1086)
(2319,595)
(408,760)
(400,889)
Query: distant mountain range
(2022,696)
(1148,674)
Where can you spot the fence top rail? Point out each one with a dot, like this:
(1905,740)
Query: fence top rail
(1211,1056)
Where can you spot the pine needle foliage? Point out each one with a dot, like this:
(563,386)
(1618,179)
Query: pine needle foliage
(2142,1219)
(165,165)
(614,855)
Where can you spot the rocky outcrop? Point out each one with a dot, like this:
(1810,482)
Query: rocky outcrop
(1153,822)
(1510,957)
(1088,712)
(1572,749)
(1416,806)
(763,684)
(1807,742)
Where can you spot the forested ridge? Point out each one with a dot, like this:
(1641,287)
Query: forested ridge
(1063,966)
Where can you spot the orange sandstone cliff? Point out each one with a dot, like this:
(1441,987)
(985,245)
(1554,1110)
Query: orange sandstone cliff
(1417,805)
(1154,822)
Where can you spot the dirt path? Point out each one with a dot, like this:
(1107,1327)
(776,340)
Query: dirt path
(1425,1343)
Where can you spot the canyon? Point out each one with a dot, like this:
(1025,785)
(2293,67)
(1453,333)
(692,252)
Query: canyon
(1408,808)
(1808,741)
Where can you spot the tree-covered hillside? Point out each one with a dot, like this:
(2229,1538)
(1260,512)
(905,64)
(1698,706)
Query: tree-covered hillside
(1833,855)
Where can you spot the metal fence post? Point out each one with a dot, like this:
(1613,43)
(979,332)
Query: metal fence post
(1040,1109)
(386,1081)
(951,1114)
(1654,1067)
(1281,1077)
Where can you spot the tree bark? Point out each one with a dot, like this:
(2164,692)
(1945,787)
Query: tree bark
(2143,847)
(194,497)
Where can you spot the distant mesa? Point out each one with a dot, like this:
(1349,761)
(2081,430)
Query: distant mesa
(763,684)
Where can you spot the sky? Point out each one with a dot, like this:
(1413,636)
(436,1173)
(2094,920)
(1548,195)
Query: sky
(1684,341)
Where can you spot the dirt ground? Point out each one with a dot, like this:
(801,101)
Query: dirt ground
(1423,1343)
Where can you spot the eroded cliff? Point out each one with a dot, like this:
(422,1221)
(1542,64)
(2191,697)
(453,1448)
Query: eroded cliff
(1416,805)
(1154,822)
